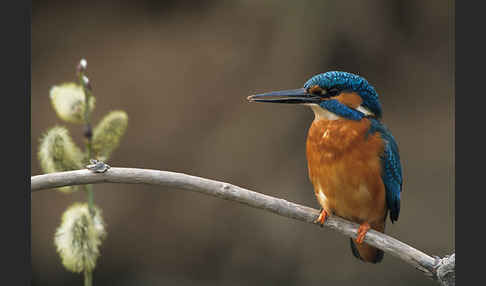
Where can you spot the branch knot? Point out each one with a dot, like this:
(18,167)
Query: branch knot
(446,270)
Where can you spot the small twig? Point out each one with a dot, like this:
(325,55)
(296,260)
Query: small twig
(421,261)
(88,278)
(88,134)
(88,131)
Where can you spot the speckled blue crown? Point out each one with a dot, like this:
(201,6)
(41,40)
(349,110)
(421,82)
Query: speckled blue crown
(348,81)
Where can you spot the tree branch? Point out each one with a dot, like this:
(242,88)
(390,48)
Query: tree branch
(421,261)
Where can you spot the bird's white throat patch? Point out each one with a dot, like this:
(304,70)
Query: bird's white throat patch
(322,113)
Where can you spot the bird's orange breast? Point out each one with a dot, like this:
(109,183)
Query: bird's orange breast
(345,169)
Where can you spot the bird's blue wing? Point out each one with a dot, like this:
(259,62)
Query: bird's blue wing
(391,169)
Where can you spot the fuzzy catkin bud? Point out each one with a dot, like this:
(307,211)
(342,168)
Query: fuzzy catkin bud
(68,100)
(79,237)
(58,152)
(83,64)
(107,134)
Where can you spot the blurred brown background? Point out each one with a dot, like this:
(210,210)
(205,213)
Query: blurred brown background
(182,70)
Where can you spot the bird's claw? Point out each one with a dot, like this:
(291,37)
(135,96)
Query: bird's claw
(362,230)
(97,166)
(321,219)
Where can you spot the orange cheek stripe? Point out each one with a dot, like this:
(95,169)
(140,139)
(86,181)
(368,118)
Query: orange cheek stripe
(350,99)
(315,89)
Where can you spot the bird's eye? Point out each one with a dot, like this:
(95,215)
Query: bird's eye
(316,90)
(332,92)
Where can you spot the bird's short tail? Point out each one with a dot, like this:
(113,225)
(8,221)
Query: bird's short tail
(366,252)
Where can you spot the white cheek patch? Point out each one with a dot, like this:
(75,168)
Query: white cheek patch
(322,113)
(364,110)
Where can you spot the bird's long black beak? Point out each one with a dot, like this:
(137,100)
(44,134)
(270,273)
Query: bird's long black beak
(285,96)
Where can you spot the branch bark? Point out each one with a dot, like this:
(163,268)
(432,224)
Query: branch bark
(421,261)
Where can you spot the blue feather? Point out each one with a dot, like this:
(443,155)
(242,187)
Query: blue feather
(391,168)
(338,108)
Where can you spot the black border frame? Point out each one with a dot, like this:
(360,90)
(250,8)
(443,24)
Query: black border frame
(16,74)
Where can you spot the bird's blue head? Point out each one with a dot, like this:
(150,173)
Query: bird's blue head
(334,93)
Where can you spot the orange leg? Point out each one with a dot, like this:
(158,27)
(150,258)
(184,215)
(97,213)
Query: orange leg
(362,230)
(322,217)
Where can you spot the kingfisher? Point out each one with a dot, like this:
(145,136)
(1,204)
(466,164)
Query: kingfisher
(353,160)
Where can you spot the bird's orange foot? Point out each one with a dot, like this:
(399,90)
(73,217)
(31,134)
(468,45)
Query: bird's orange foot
(362,230)
(322,217)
